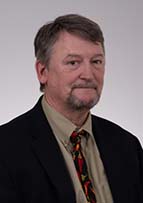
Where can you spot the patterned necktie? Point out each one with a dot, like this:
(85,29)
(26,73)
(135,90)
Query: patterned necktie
(81,166)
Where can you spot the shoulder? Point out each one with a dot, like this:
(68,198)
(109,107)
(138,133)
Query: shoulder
(25,119)
(15,132)
(118,142)
(23,126)
(16,136)
(18,123)
(113,131)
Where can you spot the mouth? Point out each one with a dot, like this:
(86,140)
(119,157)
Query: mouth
(86,86)
(85,90)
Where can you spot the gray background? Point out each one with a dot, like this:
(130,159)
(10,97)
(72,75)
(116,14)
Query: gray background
(122,24)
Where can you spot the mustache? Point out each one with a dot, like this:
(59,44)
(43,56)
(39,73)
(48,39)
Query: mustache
(85,85)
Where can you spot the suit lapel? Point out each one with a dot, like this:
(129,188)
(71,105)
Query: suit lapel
(108,147)
(47,151)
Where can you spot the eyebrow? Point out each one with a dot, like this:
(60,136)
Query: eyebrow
(77,55)
(73,55)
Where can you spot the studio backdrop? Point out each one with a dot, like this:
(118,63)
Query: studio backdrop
(122,25)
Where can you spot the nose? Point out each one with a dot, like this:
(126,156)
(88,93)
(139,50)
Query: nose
(86,71)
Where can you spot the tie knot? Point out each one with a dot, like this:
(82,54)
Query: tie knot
(75,138)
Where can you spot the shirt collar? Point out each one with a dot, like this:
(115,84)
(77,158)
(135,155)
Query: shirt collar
(61,126)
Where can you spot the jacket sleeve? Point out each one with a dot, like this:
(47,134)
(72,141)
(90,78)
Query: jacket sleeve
(7,187)
(140,161)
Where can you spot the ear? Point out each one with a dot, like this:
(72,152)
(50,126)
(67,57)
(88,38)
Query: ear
(42,72)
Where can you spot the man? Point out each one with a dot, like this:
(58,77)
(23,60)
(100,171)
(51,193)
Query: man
(58,151)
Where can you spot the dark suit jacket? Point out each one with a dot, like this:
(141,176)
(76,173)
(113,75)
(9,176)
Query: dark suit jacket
(32,168)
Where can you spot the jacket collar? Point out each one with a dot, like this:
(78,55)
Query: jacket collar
(108,142)
(47,151)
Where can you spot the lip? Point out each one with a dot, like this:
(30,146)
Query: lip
(84,88)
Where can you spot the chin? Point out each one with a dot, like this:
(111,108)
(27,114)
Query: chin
(77,103)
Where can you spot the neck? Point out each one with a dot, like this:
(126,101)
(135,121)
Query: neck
(77,117)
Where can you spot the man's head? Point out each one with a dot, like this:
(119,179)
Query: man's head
(74,24)
(70,61)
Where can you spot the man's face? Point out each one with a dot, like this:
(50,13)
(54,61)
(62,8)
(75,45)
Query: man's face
(74,78)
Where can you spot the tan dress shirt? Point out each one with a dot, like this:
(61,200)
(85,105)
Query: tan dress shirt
(62,129)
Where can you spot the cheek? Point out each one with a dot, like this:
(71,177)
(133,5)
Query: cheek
(53,79)
(99,76)
(61,85)
(52,83)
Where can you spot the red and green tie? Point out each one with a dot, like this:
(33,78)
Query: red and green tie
(81,166)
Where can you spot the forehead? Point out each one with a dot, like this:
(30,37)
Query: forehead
(67,42)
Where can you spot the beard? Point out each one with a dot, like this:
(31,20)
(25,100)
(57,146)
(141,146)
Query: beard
(78,104)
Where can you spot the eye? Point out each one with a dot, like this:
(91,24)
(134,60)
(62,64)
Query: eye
(73,63)
(97,61)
